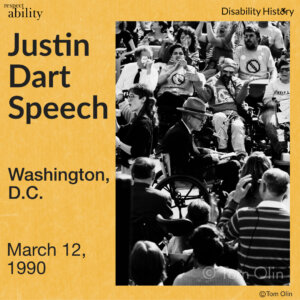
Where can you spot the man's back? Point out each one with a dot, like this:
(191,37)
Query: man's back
(264,243)
(146,204)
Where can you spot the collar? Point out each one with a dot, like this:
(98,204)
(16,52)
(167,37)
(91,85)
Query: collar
(272,204)
(189,130)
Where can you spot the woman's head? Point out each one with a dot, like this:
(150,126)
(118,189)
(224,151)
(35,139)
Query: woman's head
(206,244)
(162,26)
(176,53)
(256,164)
(141,100)
(147,264)
(187,38)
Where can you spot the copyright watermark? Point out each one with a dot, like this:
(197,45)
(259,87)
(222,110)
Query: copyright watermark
(263,294)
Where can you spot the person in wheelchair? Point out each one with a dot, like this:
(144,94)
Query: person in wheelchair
(277,106)
(186,158)
(225,93)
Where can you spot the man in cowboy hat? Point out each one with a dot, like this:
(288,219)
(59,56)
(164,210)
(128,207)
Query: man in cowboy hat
(224,92)
(185,157)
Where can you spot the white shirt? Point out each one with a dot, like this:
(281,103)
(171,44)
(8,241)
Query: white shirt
(125,81)
(274,35)
(255,64)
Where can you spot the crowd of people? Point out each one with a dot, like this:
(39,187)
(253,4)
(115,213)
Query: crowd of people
(190,90)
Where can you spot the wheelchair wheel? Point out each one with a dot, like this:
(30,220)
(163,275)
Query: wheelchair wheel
(183,188)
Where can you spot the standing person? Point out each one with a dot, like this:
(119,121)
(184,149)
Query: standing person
(263,232)
(147,202)
(276,102)
(136,138)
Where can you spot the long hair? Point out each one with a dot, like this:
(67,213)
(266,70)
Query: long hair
(256,164)
(149,108)
(187,30)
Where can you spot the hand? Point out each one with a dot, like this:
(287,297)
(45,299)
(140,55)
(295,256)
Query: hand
(118,143)
(149,64)
(242,188)
(264,41)
(192,76)
(234,26)
(183,63)
(214,211)
(215,157)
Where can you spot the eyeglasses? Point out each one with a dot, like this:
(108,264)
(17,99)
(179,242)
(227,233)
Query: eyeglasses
(200,119)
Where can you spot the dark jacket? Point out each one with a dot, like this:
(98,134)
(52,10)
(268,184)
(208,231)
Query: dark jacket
(185,157)
(139,135)
(147,202)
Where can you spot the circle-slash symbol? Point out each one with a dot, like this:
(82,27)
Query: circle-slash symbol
(253,66)
(178,79)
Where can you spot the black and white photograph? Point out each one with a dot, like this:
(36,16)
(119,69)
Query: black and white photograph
(202,153)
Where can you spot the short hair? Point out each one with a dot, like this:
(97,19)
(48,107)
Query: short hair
(142,168)
(198,212)
(283,62)
(147,264)
(256,164)
(277,181)
(138,51)
(253,28)
(206,244)
(141,90)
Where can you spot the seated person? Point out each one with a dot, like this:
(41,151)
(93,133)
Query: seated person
(207,248)
(187,38)
(186,158)
(142,71)
(147,264)
(277,106)
(136,138)
(224,92)
(271,37)
(254,60)
(147,202)
(176,82)
(198,212)
(159,33)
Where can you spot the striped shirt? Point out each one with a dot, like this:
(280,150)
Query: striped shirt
(263,234)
